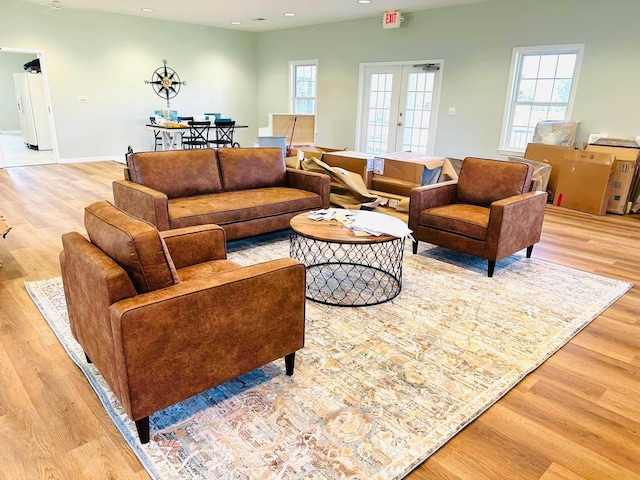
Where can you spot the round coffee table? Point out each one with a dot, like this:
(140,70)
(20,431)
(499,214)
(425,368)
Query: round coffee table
(344,269)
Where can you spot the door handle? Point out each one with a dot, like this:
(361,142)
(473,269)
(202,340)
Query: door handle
(399,124)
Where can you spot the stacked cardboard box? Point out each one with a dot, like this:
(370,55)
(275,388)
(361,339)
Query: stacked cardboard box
(579,179)
(625,171)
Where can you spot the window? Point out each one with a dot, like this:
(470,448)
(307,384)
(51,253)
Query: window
(304,83)
(542,87)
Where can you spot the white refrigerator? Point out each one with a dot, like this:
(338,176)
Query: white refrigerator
(32,110)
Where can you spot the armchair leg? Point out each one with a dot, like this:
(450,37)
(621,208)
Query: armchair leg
(414,246)
(142,426)
(289,362)
(491,268)
(529,251)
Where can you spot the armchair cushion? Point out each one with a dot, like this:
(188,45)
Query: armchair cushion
(468,220)
(133,244)
(263,170)
(477,186)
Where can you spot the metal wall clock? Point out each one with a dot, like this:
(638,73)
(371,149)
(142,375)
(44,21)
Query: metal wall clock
(165,82)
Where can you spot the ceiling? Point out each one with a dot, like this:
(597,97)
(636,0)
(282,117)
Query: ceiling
(253,15)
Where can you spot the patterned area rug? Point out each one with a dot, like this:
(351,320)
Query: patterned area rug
(376,390)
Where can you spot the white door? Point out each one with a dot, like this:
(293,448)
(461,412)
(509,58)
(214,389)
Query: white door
(399,107)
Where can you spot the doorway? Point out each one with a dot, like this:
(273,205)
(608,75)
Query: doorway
(13,149)
(398,107)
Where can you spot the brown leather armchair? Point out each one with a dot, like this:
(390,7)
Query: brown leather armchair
(490,211)
(164,315)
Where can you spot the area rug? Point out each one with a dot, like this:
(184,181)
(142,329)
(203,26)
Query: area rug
(376,390)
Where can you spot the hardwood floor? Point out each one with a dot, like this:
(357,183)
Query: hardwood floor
(575,417)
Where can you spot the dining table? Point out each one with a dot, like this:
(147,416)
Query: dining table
(172,132)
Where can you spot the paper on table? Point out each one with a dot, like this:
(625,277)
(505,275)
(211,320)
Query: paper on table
(371,223)
(380,223)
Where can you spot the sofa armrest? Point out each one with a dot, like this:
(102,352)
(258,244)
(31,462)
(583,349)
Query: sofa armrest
(515,222)
(312,182)
(176,342)
(429,196)
(192,245)
(142,202)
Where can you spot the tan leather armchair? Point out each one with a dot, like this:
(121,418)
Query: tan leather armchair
(165,315)
(490,211)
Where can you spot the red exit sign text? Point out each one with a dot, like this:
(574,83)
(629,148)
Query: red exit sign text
(391,20)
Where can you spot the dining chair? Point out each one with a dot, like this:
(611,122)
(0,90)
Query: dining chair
(157,134)
(185,135)
(224,134)
(198,135)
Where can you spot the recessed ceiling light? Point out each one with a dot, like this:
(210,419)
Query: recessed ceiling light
(289,14)
(147,9)
(364,1)
(236,23)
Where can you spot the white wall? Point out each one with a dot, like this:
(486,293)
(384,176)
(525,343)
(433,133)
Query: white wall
(10,63)
(107,57)
(476,43)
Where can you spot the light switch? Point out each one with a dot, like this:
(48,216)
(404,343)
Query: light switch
(452,110)
(83,99)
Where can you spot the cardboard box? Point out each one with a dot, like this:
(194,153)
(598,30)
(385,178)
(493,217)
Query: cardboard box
(411,167)
(363,164)
(282,124)
(625,170)
(551,155)
(422,172)
(584,182)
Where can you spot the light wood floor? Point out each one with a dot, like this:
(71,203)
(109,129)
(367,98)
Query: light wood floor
(577,416)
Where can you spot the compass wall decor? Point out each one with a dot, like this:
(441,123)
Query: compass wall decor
(166,82)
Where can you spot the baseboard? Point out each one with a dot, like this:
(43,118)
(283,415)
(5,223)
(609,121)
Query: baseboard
(115,158)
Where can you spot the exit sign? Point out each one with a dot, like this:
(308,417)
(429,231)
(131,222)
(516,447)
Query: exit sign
(391,20)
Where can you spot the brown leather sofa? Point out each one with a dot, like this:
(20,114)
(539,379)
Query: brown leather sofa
(491,211)
(165,315)
(247,191)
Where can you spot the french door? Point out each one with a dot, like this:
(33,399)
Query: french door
(398,107)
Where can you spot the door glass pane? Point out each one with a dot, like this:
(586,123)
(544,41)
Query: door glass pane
(417,112)
(380,86)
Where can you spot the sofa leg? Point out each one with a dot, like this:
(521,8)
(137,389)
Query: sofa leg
(142,426)
(289,362)
(414,246)
(490,268)
(529,251)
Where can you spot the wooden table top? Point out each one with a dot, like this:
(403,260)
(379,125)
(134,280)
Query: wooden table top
(331,231)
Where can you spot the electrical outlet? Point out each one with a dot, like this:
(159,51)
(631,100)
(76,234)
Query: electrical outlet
(83,99)
(452,110)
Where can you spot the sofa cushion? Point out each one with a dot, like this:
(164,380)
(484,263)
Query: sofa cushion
(468,220)
(249,168)
(177,173)
(482,181)
(133,244)
(230,207)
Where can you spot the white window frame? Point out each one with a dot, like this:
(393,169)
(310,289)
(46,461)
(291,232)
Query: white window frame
(516,66)
(293,64)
